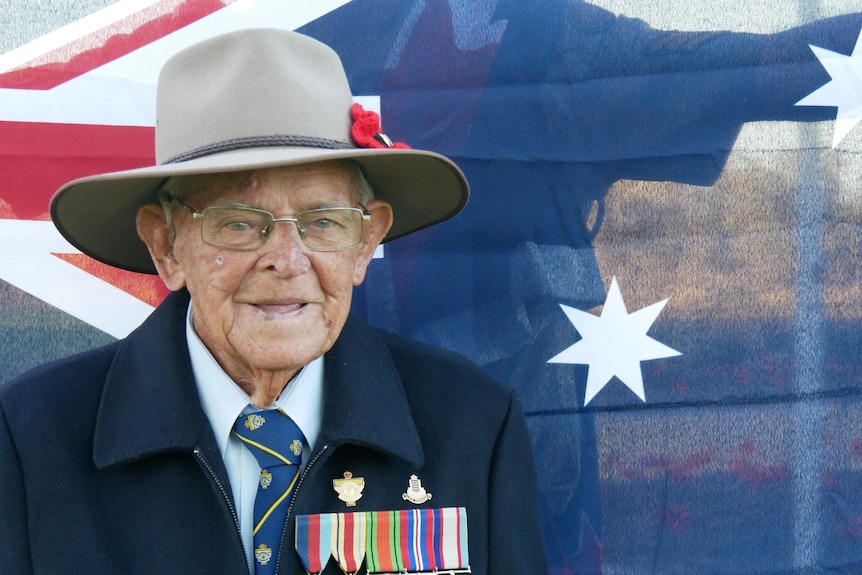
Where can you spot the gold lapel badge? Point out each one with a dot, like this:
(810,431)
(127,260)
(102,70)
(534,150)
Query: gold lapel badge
(349,489)
(415,492)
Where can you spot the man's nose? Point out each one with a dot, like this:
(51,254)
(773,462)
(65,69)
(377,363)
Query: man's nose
(284,250)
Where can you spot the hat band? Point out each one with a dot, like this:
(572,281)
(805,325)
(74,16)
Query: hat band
(258,142)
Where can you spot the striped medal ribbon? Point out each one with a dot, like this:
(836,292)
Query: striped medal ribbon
(315,535)
(390,542)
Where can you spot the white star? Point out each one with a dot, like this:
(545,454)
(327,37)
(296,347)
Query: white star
(614,343)
(844,91)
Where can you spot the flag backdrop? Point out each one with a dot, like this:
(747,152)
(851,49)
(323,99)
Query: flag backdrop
(662,251)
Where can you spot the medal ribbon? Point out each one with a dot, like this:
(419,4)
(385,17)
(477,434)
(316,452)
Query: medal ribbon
(314,536)
(406,540)
(381,554)
(349,545)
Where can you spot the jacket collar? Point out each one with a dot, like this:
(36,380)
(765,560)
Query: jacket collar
(364,397)
(150,404)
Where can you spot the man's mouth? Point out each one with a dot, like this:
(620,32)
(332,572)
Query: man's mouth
(278,308)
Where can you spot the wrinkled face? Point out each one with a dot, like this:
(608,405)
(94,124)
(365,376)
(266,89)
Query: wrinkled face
(282,305)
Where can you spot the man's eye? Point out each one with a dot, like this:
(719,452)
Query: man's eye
(323,223)
(238,226)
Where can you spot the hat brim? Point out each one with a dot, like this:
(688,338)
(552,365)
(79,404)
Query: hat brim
(97,214)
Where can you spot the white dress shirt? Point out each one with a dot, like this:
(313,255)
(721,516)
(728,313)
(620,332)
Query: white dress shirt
(223,401)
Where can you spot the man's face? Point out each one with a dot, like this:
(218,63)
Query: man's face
(281,306)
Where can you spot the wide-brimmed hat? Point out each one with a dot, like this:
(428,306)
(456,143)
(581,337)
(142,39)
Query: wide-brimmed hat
(251,99)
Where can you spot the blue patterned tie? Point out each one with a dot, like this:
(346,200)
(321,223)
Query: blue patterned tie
(277,444)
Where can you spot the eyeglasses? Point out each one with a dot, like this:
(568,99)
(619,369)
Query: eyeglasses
(247,229)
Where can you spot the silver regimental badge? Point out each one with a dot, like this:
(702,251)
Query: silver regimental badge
(415,492)
(349,489)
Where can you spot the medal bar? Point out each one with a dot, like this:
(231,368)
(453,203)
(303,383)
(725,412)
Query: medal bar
(426,541)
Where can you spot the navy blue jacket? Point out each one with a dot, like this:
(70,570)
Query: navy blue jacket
(108,464)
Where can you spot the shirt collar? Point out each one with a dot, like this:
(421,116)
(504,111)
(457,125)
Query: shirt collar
(223,400)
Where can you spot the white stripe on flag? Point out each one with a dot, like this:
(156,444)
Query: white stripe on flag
(26,261)
(69,33)
(122,92)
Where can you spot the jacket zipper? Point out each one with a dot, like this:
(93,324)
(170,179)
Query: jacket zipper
(206,465)
(302,477)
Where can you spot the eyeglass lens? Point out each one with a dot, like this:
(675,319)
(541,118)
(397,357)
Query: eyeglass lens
(326,229)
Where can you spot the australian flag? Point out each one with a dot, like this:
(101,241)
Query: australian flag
(662,252)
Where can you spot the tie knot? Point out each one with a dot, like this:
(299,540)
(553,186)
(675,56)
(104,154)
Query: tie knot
(271,436)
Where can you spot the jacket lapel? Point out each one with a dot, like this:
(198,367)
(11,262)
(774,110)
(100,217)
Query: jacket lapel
(365,402)
(150,404)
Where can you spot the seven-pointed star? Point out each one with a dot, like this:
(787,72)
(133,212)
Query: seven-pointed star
(614,343)
(844,91)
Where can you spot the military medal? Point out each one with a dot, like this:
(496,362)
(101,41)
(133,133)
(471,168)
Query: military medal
(349,548)
(349,489)
(314,536)
(415,492)
(400,541)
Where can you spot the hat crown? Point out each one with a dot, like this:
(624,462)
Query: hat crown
(247,100)
(248,88)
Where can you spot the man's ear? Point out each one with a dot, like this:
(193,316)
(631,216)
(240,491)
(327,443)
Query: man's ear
(153,229)
(375,230)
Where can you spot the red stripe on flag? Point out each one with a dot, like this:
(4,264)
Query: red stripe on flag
(37,158)
(102,46)
(146,287)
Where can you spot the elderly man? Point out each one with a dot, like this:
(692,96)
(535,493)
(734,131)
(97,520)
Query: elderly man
(251,425)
